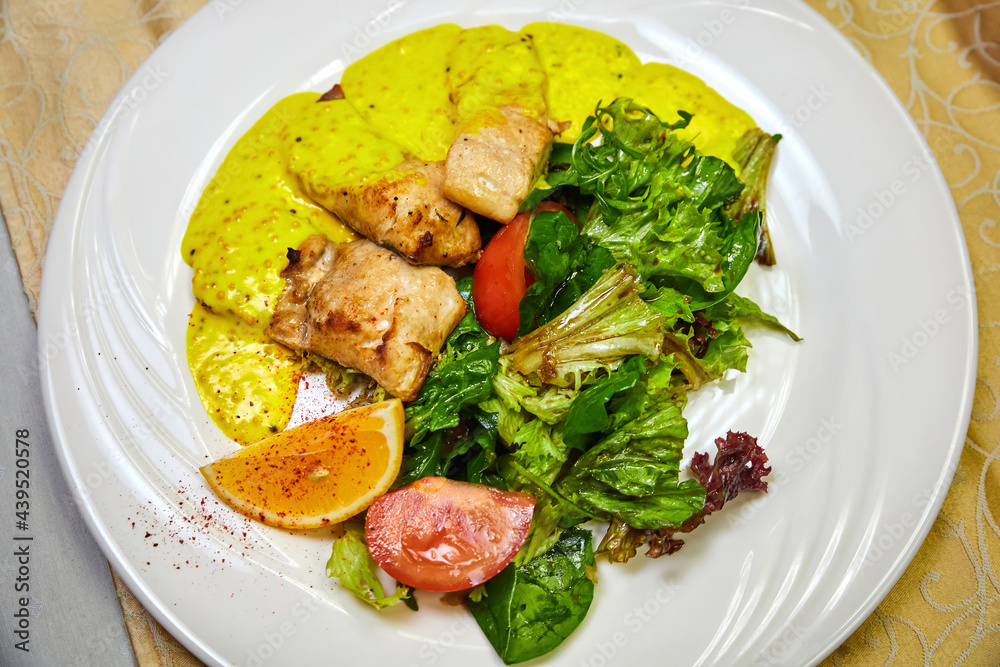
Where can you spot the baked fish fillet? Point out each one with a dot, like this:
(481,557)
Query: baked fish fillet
(404,209)
(366,307)
(491,167)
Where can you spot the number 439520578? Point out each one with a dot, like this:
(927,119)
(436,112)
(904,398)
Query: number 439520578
(22,475)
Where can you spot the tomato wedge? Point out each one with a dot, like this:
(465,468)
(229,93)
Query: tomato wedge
(500,279)
(437,534)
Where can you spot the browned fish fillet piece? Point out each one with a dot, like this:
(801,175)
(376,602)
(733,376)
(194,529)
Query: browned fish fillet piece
(405,210)
(491,170)
(367,308)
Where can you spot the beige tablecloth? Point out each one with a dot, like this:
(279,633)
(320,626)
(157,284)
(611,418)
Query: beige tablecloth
(62,61)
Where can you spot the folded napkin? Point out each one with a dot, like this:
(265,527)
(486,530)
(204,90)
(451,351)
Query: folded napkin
(61,64)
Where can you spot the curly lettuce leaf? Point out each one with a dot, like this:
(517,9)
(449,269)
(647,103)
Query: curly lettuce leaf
(712,343)
(754,152)
(725,346)
(347,383)
(546,402)
(540,450)
(742,308)
(662,205)
(352,565)
(740,465)
(674,306)
(607,324)
(632,474)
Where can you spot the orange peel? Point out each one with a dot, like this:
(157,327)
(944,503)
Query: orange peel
(315,474)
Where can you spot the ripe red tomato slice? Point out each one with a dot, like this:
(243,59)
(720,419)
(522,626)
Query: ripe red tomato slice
(441,535)
(501,279)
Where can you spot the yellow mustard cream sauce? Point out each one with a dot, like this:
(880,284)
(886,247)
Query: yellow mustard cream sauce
(402,89)
(409,98)
(492,67)
(246,381)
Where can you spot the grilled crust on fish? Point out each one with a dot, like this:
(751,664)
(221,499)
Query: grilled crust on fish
(405,210)
(491,170)
(367,308)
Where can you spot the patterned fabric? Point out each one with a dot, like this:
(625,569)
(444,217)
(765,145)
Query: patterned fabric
(62,62)
(943,61)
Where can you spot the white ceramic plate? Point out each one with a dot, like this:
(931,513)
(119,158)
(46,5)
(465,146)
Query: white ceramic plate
(863,422)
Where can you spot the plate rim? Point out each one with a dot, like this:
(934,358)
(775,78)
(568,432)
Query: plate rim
(66,224)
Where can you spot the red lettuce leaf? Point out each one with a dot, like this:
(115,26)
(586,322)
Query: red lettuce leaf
(740,465)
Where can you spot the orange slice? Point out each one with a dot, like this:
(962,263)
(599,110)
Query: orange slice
(315,474)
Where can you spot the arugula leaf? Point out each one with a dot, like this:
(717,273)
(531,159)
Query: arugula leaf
(564,264)
(530,609)
(353,566)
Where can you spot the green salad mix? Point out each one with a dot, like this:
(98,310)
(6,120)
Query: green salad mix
(629,311)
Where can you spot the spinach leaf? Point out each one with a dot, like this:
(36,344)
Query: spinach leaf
(468,335)
(530,609)
(422,459)
(588,414)
(564,264)
(474,452)
(558,176)
(448,389)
